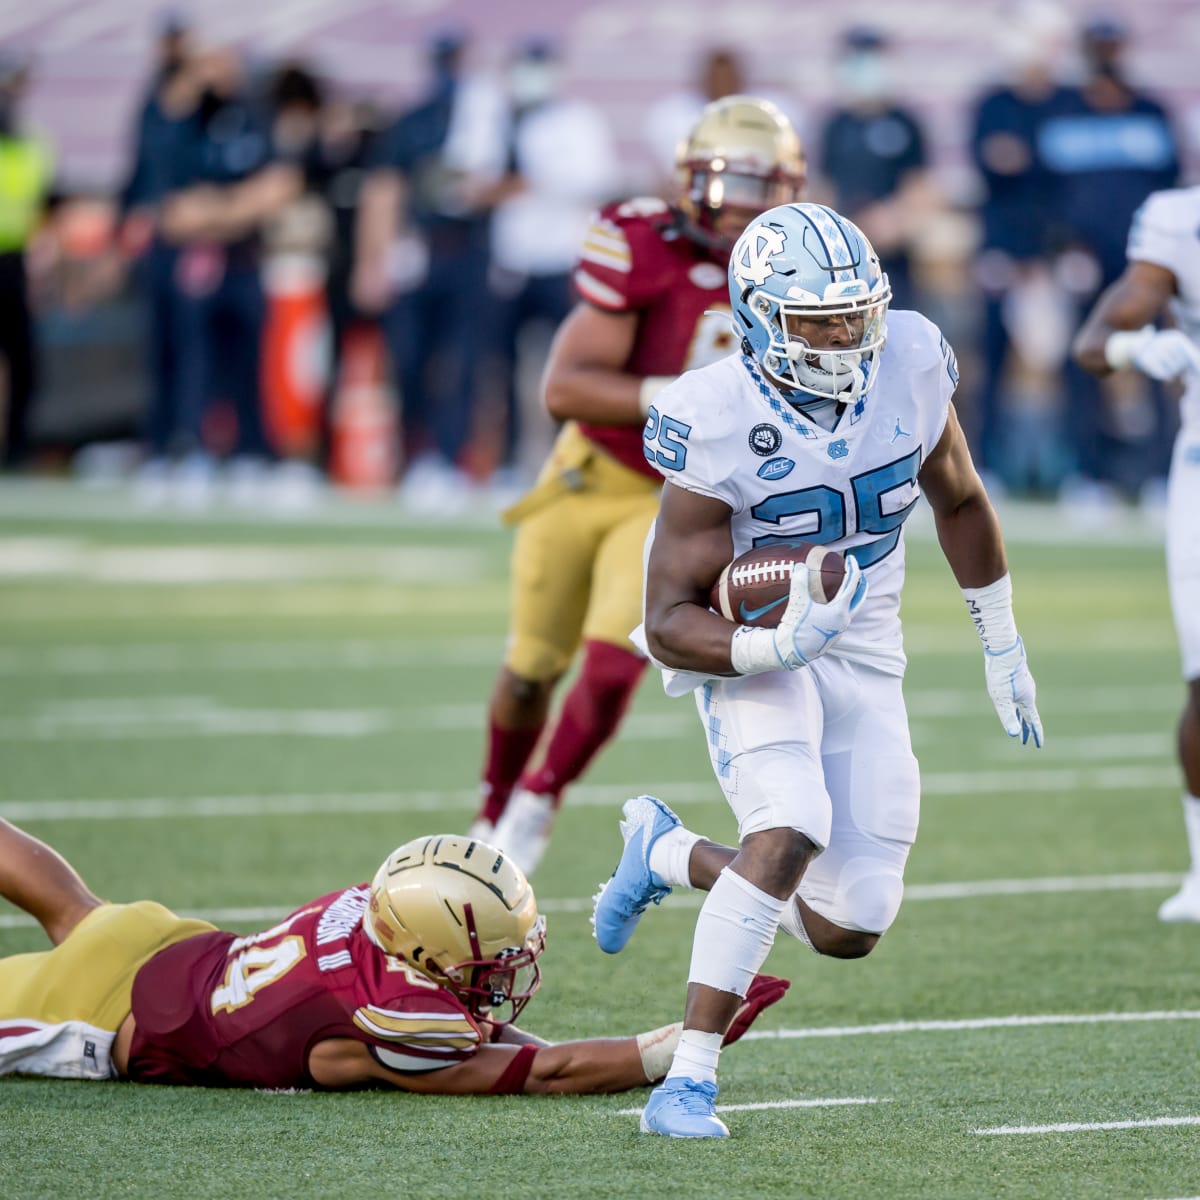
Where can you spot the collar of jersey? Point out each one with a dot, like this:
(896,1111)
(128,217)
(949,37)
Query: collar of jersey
(787,414)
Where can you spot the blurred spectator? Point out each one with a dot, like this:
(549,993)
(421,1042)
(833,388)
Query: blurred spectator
(421,258)
(669,120)
(562,165)
(226,182)
(25,175)
(170,99)
(1109,145)
(872,154)
(1018,212)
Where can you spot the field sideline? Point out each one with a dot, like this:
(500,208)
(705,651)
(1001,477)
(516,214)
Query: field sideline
(233,714)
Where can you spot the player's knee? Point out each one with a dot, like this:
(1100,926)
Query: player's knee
(835,942)
(611,673)
(871,904)
(776,857)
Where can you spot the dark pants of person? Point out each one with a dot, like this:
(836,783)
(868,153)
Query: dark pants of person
(17,350)
(545,298)
(156,276)
(434,335)
(218,346)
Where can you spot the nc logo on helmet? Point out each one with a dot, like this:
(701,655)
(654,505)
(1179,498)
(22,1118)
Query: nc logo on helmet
(751,259)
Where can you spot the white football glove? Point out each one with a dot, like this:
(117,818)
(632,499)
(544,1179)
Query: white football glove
(807,629)
(1013,692)
(1160,353)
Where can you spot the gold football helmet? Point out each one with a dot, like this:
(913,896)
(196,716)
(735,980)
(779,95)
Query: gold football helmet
(741,158)
(464,914)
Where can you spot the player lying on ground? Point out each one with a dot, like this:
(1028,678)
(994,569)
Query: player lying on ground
(410,981)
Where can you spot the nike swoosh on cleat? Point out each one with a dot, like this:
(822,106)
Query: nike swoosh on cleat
(752,614)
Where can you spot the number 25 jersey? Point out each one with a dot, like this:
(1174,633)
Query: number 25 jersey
(726,431)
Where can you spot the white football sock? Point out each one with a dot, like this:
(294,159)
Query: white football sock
(734,933)
(793,923)
(1191,821)
(696,1056)
(669,856)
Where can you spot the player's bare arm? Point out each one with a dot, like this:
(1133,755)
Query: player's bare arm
(1136,299)
(594,1065)
(967,527)
(692,542)
(585,377)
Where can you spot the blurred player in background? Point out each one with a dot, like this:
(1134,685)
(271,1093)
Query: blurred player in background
(411,981)
(1161,280)
(817,430)
(652,305)
(25,185)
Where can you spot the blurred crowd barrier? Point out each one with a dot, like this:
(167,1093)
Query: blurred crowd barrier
(343,263)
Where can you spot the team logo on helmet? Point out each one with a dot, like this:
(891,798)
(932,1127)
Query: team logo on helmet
(751,259)
(765,440)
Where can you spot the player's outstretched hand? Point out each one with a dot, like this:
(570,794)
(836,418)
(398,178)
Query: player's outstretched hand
(764,991)
(1166,353)
(1014,693)
(807,629)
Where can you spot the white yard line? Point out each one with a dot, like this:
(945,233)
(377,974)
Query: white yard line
(914,892)
(1014,1022)
(830,1102)
(1012,783)
(1087,1126)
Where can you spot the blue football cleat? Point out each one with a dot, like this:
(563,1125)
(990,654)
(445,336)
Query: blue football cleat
(683,1108)
(621,900)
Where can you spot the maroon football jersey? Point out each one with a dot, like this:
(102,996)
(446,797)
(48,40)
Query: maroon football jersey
(636,258)
(227,1011)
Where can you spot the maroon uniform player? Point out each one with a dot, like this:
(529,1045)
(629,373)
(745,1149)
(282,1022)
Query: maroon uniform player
(411,981)
(652,305)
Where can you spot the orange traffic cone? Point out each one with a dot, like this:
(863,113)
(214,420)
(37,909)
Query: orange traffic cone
(363,424)
(295,354)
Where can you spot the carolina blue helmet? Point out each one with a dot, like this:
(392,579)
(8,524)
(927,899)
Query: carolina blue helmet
(810,298)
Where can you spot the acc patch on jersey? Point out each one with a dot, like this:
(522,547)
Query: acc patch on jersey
(765,440)
(777,468)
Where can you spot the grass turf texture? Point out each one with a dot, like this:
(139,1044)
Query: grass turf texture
(342,708)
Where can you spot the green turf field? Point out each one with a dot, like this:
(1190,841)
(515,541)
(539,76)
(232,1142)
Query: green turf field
(233,716)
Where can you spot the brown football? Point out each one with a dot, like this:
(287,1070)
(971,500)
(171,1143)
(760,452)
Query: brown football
(754,588)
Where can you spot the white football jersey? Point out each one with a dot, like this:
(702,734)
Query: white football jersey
(1166,232)
(725,431)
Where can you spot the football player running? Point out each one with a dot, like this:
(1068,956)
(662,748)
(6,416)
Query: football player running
(651,282)
(815,431)
(411,981)
(1163,278)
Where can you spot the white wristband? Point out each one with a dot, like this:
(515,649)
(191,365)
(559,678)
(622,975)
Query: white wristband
(1122,347)
(991,610)
(752,651)
(651,386)
(657,1049)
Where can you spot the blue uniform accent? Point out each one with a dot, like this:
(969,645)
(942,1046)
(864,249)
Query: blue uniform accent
(663,441)
(837,449)
(777,468)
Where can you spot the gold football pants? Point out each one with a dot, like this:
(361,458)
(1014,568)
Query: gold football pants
(89,975)
(577,559)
